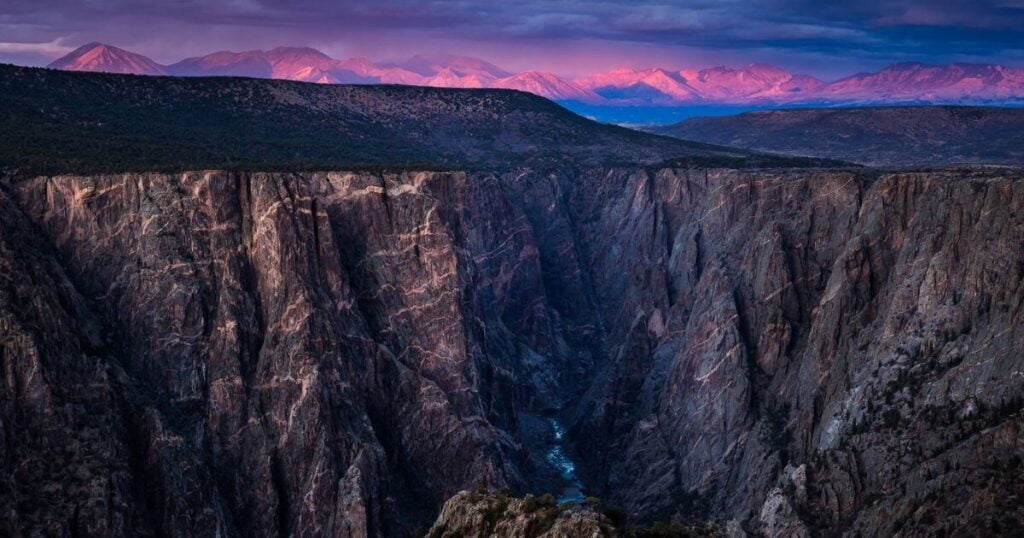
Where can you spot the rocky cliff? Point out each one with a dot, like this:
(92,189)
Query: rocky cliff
(480,514)
(272,354)
(807,352)
(335,354)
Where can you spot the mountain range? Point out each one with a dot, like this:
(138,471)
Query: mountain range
(755,84)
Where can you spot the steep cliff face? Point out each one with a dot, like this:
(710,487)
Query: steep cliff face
(338,353)
(290,354)
(807,351)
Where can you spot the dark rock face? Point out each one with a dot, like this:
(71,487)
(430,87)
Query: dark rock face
(335,354)
(816,350)
(296,355)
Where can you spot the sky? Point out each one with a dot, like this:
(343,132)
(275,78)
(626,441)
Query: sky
(568,37)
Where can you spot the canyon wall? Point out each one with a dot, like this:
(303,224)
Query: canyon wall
(807,352)
(329,354)
(228,353)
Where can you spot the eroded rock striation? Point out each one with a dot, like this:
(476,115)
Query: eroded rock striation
(808,352)
(324,354)
(795,352)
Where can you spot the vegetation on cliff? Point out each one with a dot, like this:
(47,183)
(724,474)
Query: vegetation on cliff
(481,513)
(876,136)
(66,122)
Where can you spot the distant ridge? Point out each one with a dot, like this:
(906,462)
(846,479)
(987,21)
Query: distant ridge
(881,136)
(755,84)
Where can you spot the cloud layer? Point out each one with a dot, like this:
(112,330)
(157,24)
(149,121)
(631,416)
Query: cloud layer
(559,35)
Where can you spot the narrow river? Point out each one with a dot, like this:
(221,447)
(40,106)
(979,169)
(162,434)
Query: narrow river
(573,489)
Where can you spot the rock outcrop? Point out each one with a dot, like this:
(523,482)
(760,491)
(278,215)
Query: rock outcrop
(336,354)
(483,514)
(475,515)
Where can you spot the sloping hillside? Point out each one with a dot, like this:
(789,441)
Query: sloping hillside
(80,122)
(886,136)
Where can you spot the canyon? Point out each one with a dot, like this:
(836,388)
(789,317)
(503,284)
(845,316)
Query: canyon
(700,337)
(338,353)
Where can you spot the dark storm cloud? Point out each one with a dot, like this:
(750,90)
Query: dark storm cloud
(863,33)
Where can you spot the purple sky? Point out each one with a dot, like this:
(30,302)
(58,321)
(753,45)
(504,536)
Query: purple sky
(565,36)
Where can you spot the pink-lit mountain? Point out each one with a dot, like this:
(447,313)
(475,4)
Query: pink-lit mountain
(547,85)
(460,65)
(753,84)
(932,82)
(108,59)
(292,63)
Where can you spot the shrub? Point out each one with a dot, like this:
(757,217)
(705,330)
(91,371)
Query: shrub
(616,515)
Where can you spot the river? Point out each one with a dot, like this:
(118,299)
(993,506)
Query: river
(557,456)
